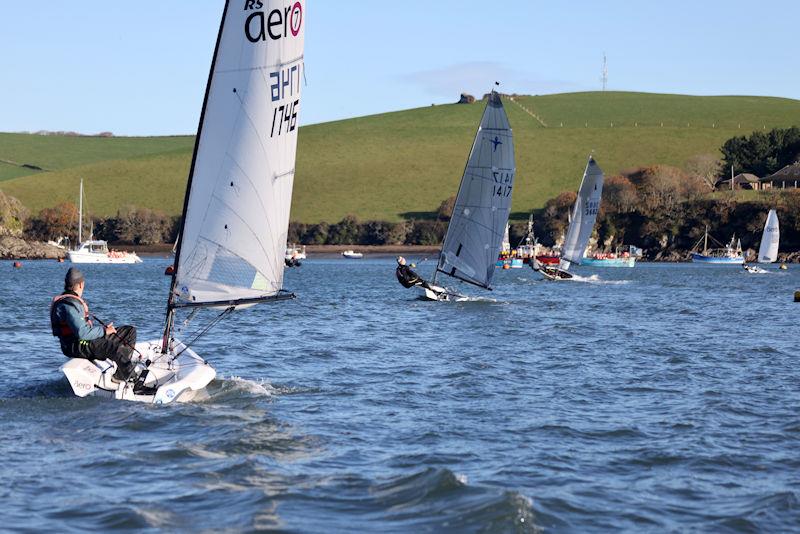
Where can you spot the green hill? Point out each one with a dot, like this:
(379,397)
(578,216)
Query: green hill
(403,164)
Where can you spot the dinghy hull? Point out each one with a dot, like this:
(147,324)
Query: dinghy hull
(169,378)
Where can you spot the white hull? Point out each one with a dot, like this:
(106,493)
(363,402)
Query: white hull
(181,379)
(90,257)
(441,294)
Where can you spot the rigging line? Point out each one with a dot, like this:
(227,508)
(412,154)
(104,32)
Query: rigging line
(264,67)
(205,330)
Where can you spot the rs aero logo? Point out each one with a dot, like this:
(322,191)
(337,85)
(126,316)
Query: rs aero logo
(275,24)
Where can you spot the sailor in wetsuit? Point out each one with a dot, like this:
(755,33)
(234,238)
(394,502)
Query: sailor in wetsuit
(407,277)
(72,325)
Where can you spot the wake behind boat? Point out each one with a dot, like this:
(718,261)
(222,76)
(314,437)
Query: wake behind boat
(483,203)
(584,215)
(232,241)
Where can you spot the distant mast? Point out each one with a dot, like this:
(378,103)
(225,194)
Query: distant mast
(604,73)
(80,214)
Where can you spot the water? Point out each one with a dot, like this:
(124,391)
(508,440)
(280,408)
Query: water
(658,398)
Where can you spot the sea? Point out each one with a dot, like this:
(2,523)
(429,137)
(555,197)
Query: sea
(663,398)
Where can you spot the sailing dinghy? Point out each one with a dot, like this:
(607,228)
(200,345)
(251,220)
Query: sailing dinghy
(768,249)
(483,203)
(230,253)
(584,215)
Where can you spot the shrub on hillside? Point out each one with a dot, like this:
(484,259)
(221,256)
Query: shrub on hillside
(53,223)
(12,215)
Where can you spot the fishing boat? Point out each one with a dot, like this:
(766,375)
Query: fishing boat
(483,203)
(230,252)
(730,254)
(581,225)
(96,250)
(352,255)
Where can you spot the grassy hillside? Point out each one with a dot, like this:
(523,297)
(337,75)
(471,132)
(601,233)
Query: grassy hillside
(403,164)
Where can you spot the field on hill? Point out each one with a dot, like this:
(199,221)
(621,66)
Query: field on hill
(403,164)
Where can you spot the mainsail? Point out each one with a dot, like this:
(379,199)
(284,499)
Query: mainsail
(483,203)
(584,214)
(236,212)
(770,238)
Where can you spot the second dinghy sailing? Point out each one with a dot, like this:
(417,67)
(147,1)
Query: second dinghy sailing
(230,253)
(482,206)
(584,215)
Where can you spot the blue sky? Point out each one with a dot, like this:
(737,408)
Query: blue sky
(140,67)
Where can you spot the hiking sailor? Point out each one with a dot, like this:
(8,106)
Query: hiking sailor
(407,277)
(71,324)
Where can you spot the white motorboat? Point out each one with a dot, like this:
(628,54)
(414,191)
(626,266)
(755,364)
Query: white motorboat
(352,255)
(295,252)
(95,250)
(232,241)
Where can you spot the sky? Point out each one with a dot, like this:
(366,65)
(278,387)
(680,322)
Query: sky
(140,67)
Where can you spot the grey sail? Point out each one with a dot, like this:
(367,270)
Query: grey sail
(483,203)
(584,215)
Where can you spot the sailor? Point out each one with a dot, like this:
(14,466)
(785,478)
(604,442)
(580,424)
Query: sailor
(407,277)
(80,338)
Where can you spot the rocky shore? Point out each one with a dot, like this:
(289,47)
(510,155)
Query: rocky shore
(14,248)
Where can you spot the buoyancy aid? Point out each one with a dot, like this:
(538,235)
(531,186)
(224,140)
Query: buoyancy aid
(60,327)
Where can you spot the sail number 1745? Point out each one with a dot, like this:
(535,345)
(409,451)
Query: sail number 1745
(284,118)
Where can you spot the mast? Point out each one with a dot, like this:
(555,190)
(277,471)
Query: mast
(170,313)
(705,243)
(80,214)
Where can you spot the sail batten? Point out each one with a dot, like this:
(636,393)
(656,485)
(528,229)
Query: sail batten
(236,211)
(770,239)
(483,203)
(583,215)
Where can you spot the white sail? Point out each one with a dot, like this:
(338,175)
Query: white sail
(770,238)
(584,215)
(480,214)
(236,215)
(505,246)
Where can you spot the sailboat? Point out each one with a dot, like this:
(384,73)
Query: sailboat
(483,203)
(231,245)
(770,239)
(584,215)
(96,250)
(730,254)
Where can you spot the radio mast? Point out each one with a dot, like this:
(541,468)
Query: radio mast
(605,72)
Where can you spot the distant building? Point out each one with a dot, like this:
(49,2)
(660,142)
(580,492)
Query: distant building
(786,178)
(740,181)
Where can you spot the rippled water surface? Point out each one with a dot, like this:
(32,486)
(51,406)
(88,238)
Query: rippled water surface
(663,397)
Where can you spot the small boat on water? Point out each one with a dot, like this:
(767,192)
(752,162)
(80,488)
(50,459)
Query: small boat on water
(95,250)
(730,254)
(508,258)
(231,245)
(770,240)
(352,255)
(584,215)
(295,252)
(624,258)
(480,215)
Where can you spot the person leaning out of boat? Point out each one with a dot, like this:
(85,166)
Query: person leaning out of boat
(80,338)
(407,277)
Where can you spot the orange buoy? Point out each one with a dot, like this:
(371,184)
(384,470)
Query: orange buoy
(797,296)
(60,260)
(17,264)
(170,270)
(506,266)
